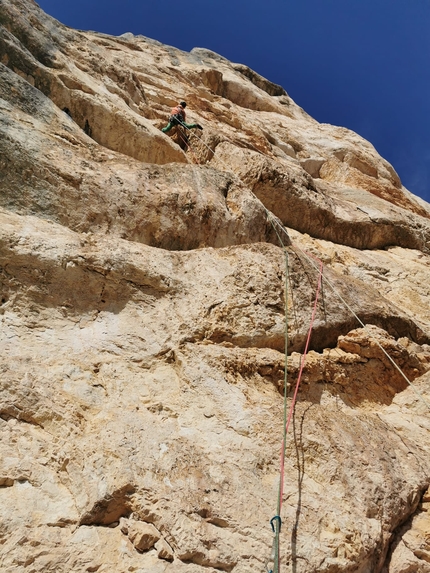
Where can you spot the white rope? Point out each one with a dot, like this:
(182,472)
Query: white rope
(340,297)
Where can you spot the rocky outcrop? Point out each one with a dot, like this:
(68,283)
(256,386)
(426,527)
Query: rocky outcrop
(59,173)
(410,549)
(149,293)
(351,217)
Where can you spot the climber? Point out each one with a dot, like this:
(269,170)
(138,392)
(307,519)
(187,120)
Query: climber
(178,117)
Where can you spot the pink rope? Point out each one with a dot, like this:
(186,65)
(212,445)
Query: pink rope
(302,364)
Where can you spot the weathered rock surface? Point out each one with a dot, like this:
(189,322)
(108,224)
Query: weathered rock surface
(411,549)
(142,313)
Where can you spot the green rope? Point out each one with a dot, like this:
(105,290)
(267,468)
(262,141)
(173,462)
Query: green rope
(284,437)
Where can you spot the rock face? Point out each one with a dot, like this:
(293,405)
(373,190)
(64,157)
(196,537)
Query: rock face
(144,298)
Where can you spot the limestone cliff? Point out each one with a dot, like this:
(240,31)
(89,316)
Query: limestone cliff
(142,312)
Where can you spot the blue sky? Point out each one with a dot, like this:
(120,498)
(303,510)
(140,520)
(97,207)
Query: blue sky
(361,64)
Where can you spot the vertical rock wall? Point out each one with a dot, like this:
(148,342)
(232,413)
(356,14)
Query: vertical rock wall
(143,303)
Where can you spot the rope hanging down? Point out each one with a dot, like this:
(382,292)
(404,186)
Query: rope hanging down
(276,224)
(348,307)
(276,521)
(333,289)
